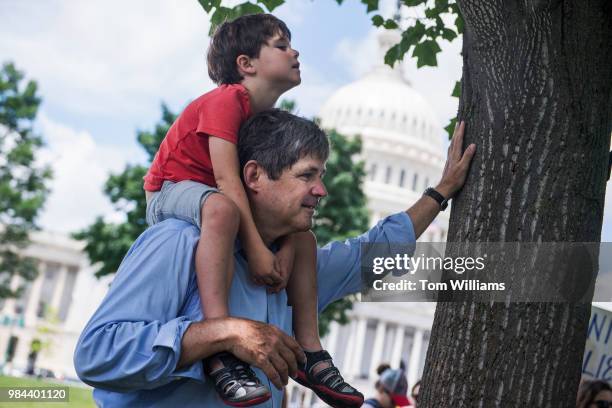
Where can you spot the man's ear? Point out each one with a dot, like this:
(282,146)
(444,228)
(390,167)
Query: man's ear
(245,65)
(253,175)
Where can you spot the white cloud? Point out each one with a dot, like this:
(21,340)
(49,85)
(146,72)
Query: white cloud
(312,93)
(435,84)
(80,168)
(358,55)
(104,57)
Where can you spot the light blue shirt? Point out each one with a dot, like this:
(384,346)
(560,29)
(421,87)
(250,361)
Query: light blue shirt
(130,347)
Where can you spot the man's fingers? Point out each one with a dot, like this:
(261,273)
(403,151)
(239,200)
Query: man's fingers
(295,348)
(290,360)
(272,279)
(281,368)
(457,142)
(268,369)
(467,155)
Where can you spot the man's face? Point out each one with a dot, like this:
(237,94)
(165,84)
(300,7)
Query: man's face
(278,63)
(292,199)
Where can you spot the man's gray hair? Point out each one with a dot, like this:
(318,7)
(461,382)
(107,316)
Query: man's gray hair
(277,139)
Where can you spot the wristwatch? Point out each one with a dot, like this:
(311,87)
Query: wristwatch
(431,192)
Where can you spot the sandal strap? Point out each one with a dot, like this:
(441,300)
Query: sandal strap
(233,376)
(329,376)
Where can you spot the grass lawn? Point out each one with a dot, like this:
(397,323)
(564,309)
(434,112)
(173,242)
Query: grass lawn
(79,397)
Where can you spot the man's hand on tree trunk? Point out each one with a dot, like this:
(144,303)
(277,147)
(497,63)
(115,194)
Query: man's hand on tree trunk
(457,164)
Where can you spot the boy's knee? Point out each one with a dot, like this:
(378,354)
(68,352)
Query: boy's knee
(219,208)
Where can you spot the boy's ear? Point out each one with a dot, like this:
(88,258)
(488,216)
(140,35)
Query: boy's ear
(252,173)
(245,65)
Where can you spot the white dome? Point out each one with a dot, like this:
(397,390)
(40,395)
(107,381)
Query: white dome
(383,102)
(402,146)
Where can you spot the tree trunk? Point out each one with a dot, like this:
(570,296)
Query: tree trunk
(537,101)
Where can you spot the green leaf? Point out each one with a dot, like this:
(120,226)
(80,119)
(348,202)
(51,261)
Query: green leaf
(426,52)
(412,3)
(448,34)
(394,54)
(459,24)
(411,36)
(208,5)
(222,14)
(442,5)
(432,13)
(271,4)
(390,24)
(377,20)
(372,5)
(457,90)
(450,128)
(246,8)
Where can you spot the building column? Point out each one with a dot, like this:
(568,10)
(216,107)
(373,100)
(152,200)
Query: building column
(350,346)
(396,353)
(377,348)
(9,303)
(23,348)
(357,352)
(32,306)
(415,357)
(331,340)
(56,299)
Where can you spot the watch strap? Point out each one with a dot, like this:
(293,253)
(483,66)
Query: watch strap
(440,199)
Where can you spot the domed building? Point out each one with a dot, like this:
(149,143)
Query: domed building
(404,154)
(402,140)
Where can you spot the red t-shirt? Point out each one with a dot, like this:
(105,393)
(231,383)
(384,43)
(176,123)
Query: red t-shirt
(184,153)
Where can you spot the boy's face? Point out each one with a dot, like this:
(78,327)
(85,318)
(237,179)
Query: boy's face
(278,63)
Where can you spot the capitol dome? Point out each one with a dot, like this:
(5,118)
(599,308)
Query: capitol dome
(383,102)
(402,139)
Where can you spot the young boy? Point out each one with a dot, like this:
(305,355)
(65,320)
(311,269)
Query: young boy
(252,61)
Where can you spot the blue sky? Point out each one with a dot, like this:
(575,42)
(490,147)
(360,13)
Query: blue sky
(105,67)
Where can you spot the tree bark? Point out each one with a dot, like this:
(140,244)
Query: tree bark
(537,101)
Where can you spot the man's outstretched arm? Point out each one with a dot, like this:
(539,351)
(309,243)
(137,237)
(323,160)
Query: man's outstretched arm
(339,263)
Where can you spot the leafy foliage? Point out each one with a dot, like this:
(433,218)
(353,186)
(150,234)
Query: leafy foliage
(422,36)
(107,243)
(23,188)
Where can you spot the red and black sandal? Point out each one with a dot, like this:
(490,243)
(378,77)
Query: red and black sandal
(327,383)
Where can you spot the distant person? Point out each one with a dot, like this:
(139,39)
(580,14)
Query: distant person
(416,388)
(594,394)
(391,388)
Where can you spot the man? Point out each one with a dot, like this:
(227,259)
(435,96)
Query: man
(145,343)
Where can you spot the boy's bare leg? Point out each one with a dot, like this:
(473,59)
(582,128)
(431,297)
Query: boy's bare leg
(319,373)
(214,261)
(302,293)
